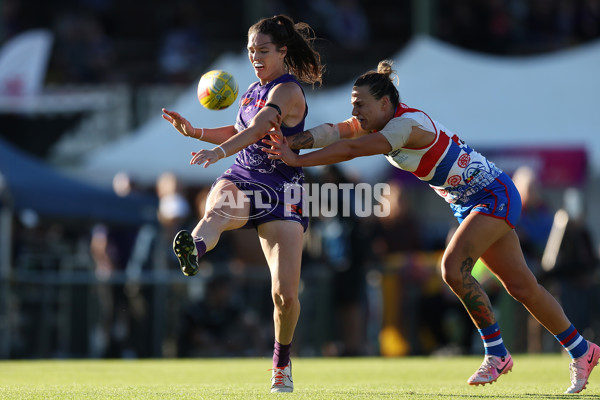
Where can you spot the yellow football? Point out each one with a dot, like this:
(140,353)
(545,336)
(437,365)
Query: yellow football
(217,90)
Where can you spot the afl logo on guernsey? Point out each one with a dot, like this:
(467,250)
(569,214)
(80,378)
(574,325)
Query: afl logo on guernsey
(463,160)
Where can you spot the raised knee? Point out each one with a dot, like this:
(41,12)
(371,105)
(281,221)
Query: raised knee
(220,221)
(284,300)
(212,216)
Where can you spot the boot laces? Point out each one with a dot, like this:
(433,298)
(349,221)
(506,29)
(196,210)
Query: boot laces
(574,369)
(278,375)
(489,362)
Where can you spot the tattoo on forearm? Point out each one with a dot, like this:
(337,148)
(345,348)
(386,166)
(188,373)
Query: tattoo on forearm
(474,298)
(302,140)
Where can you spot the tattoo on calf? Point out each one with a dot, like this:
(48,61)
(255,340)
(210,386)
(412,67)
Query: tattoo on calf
(474,298)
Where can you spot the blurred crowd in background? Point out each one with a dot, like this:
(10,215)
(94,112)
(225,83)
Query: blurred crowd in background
(370,286)
(141,42)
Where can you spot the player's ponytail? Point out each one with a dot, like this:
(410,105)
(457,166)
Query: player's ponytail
(380,82)
(302,59)
(385,67)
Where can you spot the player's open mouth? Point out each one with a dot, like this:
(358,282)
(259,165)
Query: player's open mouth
(258,66)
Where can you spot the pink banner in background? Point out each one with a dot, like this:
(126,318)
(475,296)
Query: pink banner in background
(555,166)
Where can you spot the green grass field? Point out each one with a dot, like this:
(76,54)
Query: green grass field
(533,377)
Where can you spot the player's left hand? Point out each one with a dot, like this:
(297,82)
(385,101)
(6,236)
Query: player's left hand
(207,157)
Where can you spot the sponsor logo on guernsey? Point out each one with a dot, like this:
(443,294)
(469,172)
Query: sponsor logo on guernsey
(454,180)
(473,175)
(463,160)
(395,153)
(442,192)
(294,210)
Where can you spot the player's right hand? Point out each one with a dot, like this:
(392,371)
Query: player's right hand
(182,125)
(280,150)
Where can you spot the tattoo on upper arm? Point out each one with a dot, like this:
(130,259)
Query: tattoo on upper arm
(302,140)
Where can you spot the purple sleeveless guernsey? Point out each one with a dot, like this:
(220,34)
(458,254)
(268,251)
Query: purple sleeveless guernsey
(257,175)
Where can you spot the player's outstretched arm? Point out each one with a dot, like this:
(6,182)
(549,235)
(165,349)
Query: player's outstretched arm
(301,140)
(258,128)
(210,135)
(325,134)
(341,150)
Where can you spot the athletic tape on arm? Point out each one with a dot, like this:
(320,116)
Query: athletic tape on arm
(349,128)
(326,134)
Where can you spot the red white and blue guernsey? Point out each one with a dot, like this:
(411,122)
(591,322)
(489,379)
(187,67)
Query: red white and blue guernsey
(462,176)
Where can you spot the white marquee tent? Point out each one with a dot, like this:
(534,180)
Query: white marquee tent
(489,101)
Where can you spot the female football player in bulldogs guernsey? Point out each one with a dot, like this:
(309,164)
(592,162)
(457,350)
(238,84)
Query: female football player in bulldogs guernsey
(482,197)
(281,54)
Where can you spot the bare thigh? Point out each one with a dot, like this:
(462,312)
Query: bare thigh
(227,208)
(472,239)
(506,260)
(498,246)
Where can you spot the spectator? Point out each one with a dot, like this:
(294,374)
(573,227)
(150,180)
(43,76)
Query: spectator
(348,24)
(533,228)
(115,250)
(182,50)
(397,237)
(84,52)
(342,238)
(173,207)
(536,217)
(570,260)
